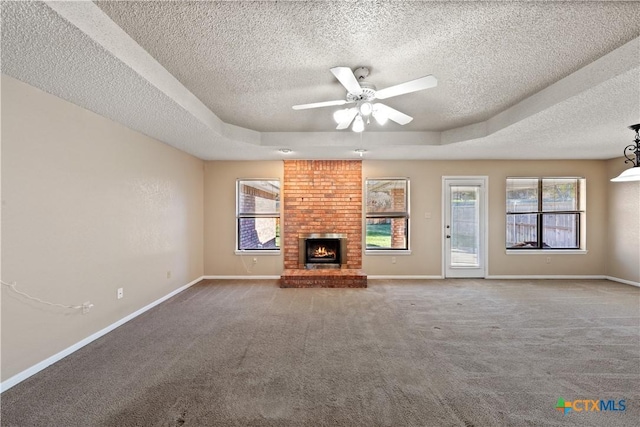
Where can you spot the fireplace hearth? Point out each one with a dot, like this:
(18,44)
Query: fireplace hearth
(322,250)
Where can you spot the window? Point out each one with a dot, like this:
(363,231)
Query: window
(544,213)
(387,215)
(257,215)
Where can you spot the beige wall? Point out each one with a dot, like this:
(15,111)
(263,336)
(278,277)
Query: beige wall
(426,236)
(623,240)
(220,216)
(88,206)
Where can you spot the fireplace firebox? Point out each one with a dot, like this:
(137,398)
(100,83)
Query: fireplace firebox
(322,250)
(325,251)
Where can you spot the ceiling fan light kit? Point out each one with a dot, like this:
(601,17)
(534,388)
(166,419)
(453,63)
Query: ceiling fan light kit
(366,108)
(341,115)
(363,94)
(358,124)
(632,155)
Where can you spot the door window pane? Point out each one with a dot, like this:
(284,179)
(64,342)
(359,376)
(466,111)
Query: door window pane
(465,226)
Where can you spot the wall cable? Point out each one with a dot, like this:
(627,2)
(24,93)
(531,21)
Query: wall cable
(250,271)
(12,286)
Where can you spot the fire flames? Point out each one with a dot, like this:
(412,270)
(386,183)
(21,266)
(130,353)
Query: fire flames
(322,252)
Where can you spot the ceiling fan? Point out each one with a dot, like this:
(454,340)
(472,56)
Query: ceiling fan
(362,94)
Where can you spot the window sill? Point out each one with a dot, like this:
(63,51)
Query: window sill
(387,252)
(546,251)
(258,252)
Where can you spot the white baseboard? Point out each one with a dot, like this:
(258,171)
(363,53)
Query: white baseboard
(241,277)
(626,282)
(545,277)
(404,277)
(519,277)
(391,277)
(7,384)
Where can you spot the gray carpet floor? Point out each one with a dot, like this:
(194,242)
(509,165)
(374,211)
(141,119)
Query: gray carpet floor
(400,353)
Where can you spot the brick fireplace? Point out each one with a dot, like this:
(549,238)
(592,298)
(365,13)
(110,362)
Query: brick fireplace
(322,197)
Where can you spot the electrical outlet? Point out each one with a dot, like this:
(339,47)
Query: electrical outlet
(120,293)
(169,274)
(393,260)
(86,307)
(255,261)
(548,260)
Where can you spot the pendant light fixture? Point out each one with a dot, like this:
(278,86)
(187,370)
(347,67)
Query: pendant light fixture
(632,154)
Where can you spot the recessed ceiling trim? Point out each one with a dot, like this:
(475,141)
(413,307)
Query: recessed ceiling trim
(611,65)
(349,139)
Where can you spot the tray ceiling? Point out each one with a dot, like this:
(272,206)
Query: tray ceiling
(218,79)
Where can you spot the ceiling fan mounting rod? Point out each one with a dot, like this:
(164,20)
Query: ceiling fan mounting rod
(361,73)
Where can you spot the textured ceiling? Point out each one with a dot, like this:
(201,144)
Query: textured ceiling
(249,62)
(218,79)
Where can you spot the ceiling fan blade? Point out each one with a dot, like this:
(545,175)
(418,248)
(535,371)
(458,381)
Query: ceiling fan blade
(393,114)
(351,114)
(425,82)
(348,80)
(319,104)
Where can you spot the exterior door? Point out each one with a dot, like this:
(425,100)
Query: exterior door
(465,227)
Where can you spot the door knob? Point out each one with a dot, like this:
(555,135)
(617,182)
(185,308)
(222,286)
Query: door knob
(448,237)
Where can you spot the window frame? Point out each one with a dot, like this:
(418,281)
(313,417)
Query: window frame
(389,215)
(277,215)
(540,215)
